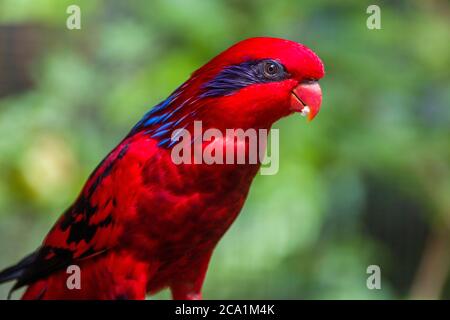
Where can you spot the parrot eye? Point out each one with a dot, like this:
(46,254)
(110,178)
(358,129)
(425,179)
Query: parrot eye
(272,70)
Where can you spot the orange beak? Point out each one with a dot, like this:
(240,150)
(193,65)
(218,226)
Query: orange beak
(306,99)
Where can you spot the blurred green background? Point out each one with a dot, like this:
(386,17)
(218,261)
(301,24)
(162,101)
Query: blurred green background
(367,182)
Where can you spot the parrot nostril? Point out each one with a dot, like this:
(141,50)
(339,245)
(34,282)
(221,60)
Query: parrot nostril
(310,81)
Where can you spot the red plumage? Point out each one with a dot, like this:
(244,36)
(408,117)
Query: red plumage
(142,222)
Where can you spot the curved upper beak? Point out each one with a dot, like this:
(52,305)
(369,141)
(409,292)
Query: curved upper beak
(306,99)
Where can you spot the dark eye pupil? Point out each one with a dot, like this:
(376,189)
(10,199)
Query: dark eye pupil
(271,68)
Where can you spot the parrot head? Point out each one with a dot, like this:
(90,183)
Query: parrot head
(260,80)
(250,85)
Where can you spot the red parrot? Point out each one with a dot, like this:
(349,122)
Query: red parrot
(142,222)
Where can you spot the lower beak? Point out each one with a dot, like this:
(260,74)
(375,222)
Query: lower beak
(306,99)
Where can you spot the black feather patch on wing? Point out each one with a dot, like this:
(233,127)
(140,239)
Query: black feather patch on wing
(18,269)
(47,260)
